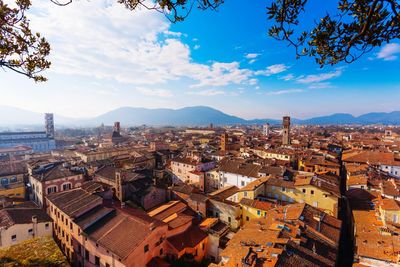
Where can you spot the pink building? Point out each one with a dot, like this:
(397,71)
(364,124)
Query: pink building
(51,178)
(91,234)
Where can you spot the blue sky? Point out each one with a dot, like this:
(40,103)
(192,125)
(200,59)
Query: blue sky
(107,57)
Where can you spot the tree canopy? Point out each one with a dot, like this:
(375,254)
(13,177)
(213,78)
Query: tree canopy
(355,29)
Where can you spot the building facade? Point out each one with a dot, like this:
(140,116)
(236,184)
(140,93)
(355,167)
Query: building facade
(20,224)
(42,141)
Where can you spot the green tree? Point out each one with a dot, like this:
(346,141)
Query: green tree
(355,29)
(21,50)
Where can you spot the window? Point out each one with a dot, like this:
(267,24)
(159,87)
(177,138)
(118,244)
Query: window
(258,212)
(242,183)
(46,226)
(245,193)
(97,261)
(51,189)
(202,246)
(146,248)
(247,218)
(14,238)
(161,251)
(273,187)
(283,189)
(229,219)
(86,254)
(67,186)
(13,179)
(315,204)
(312,192)
(70,225)
(30,231)
(304,191)
(4,181)
(107,265)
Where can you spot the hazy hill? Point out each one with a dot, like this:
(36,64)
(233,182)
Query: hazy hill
(185,116)
(191,116)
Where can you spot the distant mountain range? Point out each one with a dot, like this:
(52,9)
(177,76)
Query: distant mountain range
(190,116)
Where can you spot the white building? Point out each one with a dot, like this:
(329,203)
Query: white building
(184,168)
(392,169)
(237,173)
(20,224)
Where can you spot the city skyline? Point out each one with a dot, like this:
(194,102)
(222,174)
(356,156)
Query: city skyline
(217,59)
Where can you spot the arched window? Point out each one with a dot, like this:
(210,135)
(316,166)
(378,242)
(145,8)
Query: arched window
(51,189)
(13,179)
(66,186)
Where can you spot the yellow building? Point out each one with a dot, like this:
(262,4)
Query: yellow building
(311,190)
(12,180)
(285,155)
(253,209)
(251,190)
(318,164)
(315,191)
(389,210)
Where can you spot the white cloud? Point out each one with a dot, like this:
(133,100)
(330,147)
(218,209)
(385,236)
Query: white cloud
(389,52)
(132,47)
(175,34)
(154,92)
(273,69)
(218,74)
(251,55)
(196,47)
(316,78)
(253,81)
(287,77)
(283,92)
(252,61)
(210,92)
(322,85)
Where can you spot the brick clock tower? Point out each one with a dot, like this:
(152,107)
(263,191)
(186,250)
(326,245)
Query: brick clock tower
(286,130)
(224,141)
